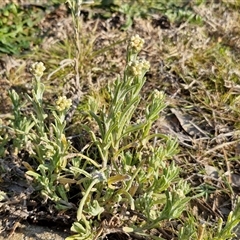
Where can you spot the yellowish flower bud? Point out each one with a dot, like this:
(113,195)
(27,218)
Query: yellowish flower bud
(135,68)
(49,153)
(138,67)
(180,193)
(136,43)
(145,64)
(37,69)
(63,103)
(158,94)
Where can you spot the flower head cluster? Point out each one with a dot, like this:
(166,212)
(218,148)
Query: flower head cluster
(136,43)
(158,94)
(180,193)
(138,67)
(49,153)
(37,69)
(63,103)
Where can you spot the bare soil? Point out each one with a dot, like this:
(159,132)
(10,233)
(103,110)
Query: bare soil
(35,232)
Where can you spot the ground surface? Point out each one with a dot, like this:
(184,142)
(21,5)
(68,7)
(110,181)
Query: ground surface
(185,63)
(35,232)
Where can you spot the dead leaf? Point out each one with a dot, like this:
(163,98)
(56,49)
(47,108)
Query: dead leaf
(188,125)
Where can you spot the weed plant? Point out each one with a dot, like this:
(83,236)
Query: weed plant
(18,30)
(131,184)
